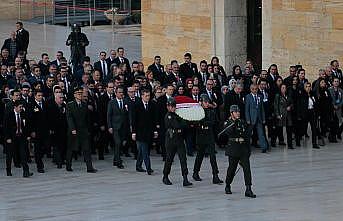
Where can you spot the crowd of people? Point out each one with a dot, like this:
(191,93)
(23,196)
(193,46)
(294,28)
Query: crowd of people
(53,109)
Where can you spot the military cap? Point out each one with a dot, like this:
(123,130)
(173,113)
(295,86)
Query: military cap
(234,108)
(171,102)
(204,98)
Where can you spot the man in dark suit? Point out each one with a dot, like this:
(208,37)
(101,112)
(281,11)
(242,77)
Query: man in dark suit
(57,62)
(202,74)
(118,124)
(121,59)
(44,64)
(157,69)
(144,129)
(56,111)
(102,66)
(131,100)
(35,76)
(4,75)
(188,69)
(12,45)
(255,116)
(17,133)
(236,97)
(105,137)
(78,130)
(110,59)
(40,129)
(23,37)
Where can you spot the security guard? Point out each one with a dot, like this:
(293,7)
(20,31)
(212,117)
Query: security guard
(174,126)
(205,141)
(238,150)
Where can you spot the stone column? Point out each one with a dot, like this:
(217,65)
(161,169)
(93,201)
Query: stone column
(229,32)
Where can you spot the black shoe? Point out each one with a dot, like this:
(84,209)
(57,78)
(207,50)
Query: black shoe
(120,166)
(101,157)
(40,170)
(228,189)
(273,144)
(166,181)
(27,174)
(140,169)
(297,144)
(216,180)
(249,193)
(196,177)
(17,165)
(291,147)
(115,164)
(150,172)
(127,155)
(59,166)
(315,146)
(186,182)
(69,169)
(92,170)
(264,151)
(282,143)
(190,154)
(8,172)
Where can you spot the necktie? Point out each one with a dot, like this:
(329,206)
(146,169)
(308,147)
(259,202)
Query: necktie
(120,104)
(104,68)
(40,104)
(146,106)
(121,60)
(18,124)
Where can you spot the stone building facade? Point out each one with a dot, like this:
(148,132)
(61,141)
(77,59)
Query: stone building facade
(307,32)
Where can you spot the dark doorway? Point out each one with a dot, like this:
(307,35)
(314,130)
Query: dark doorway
(254,32)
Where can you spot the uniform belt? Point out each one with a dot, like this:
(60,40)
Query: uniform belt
(237,139)
(176,131)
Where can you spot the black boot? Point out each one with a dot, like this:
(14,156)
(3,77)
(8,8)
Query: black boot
(186,182)
(166,180)
(196,177)
(228,189)
(216,179)
(27,174)
(8,172)
(249,193)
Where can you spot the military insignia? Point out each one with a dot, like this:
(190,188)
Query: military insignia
(169,117)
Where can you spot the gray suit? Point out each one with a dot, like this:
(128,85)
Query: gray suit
(255,117)
(118,120)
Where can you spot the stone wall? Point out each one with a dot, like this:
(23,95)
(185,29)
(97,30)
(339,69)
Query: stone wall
(171,28)
(9,9)
(307,32)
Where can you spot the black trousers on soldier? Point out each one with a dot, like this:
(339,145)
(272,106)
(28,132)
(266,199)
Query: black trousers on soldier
(231,170)
(173,147)
(200,156)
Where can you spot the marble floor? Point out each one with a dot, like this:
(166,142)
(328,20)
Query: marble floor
(51,38)
(301,184)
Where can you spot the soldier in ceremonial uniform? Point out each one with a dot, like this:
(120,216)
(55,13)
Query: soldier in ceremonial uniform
(78,130)
(174,126)
(205,141)
(238,150)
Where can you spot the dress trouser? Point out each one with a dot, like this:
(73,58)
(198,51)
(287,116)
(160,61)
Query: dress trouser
(143,155)
(231,170)
(173,146)
(19,144)
(200,156)
(117,145)
(86,151)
